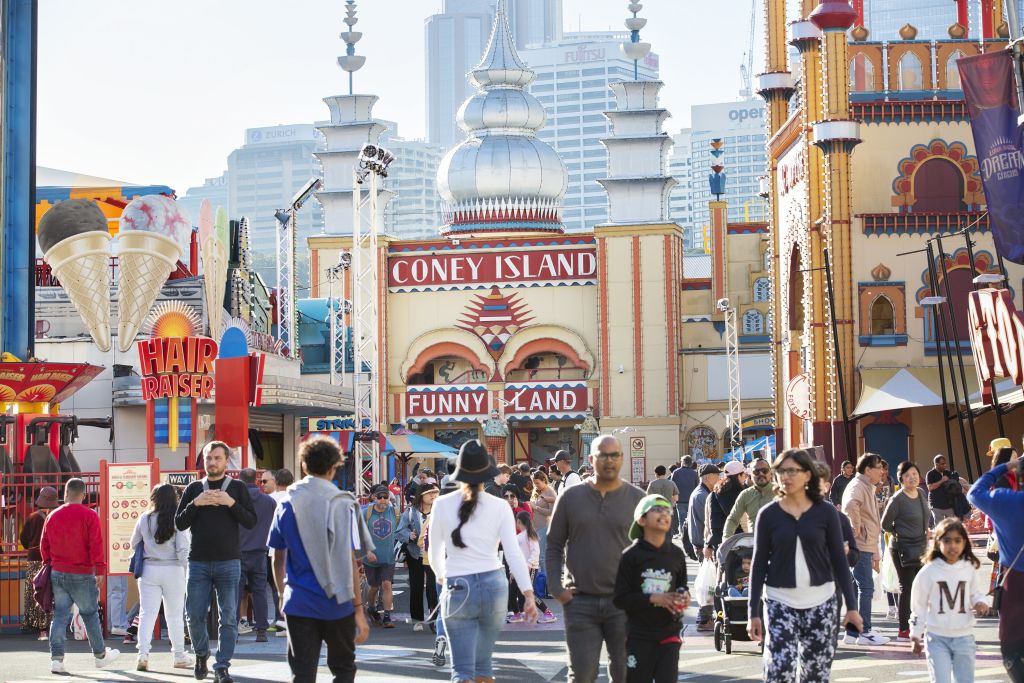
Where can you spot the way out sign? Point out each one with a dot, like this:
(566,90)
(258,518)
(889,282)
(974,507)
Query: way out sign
(637,459)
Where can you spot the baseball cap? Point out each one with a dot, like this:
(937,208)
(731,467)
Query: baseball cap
(996,444)
(734,467)
(709,468)
(562,456)
(379,488)
(642,508)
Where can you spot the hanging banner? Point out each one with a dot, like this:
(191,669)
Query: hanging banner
(992,102)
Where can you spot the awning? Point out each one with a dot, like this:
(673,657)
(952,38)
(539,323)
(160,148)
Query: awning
(414,444)
(885,389)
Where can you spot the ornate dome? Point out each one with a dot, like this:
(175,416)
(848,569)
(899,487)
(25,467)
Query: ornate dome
(501,177)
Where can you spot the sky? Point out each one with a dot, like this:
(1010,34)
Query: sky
(150,91)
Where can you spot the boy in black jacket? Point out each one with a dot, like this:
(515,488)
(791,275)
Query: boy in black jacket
(651,588)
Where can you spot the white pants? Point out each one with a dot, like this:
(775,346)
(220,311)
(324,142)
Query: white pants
(166,582)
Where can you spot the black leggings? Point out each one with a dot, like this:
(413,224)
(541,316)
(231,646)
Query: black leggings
(421,577)
(517,600)
(907,575)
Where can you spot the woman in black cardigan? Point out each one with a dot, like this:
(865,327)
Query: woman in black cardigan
(798,560)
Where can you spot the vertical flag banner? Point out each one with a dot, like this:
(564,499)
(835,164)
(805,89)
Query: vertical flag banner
(992,102)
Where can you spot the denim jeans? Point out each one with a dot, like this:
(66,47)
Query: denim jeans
(591,620)
(117,593)
(681,511)
(81,590)
(950,659)
(439,622)
(254,578)
(203,579)
(542,541)
(865,583)
(473,609)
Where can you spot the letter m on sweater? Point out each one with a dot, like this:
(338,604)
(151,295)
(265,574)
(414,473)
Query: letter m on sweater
(950,599)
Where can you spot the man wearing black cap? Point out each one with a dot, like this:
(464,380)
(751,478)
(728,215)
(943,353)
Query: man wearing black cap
(382,521)
(563,462)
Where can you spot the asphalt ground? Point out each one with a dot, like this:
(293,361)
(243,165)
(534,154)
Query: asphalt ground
(524,653)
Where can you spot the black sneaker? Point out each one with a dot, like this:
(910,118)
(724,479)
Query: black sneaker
(387,620)
(375,617)
(200,671)
(222,676)
(261,636)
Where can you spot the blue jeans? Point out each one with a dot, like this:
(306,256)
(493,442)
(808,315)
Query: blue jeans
(542,541)
(865,583)
(117,593)
(203,579)
(950,659)
(81,590)
(590,621)
(439,622)
(473,610)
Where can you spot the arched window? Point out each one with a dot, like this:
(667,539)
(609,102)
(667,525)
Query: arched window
(753,322)
(909,72)
(883,317)
(939,186)
(953,73)
(762,289)
(862,74)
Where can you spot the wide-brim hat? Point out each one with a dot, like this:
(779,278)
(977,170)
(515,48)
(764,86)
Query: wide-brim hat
(473,464)
(642,508)
(47,499)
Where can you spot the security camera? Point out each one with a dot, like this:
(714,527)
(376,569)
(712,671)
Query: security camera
(722,305)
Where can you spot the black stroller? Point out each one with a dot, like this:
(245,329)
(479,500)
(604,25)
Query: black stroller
(731,612)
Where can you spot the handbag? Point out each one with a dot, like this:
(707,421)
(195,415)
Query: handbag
(138,558)
(42,588)
(997,592)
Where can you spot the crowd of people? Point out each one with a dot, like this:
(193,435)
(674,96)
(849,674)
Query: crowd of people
(486,544)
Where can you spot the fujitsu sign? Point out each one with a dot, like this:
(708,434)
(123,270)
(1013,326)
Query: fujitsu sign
(997,338)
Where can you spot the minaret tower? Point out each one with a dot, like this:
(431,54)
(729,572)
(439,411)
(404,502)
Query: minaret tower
(639,254)
(836,134)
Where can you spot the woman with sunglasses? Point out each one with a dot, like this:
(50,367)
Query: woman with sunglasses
(465,530)
(798,559)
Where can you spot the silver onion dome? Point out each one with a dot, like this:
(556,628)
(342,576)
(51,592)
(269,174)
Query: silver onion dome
(501,177)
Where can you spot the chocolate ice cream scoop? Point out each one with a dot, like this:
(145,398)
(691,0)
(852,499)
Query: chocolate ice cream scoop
(69,218)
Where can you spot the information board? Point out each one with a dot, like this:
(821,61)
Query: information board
(637,459)
(124,496)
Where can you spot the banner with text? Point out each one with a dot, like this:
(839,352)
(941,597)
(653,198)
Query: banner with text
(554,400)
(992,102)
(440,272)
(447,403)
(124,490)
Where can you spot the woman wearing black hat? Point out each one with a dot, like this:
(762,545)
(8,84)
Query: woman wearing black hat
(35,618)
(463,552)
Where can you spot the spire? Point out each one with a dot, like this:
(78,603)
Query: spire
(634,49)
(501,65)
(350,62)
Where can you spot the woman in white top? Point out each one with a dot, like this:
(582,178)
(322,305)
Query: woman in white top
(165,556)
(463,552)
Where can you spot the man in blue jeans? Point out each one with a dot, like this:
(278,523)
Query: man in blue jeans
(72,545)
(214,508)
(861,506)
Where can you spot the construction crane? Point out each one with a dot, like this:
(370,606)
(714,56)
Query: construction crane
(747,65)
(734,420)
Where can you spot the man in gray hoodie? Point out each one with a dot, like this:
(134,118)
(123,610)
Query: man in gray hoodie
(322,532)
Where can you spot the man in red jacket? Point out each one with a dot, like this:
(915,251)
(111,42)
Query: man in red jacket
(73,546)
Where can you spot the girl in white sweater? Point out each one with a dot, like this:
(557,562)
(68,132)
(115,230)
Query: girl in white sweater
(941,601)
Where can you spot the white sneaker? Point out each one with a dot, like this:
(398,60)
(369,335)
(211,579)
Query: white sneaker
(244,627)
(281,623)
(108,659)
(849,640)
(872,638)
(186,661)
(57,666)
(418,626)
(891,614)
(118,631)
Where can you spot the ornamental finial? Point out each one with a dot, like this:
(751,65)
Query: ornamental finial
(350,62)
(634,49)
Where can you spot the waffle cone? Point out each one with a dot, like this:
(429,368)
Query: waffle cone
(82,264)
(146,259)
(215,269)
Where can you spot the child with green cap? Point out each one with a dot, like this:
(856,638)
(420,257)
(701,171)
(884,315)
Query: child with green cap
(651,588)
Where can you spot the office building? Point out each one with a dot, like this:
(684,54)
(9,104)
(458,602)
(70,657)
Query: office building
(455,39)
(263,176)
(415,211)
(740,126)
(680,203)
(214,189)
(572,85)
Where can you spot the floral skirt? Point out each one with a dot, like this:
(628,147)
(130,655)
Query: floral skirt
(35,618)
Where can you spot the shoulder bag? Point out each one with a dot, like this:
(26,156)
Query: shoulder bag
(42,588)
(138,556)
(910,551)
(997,592)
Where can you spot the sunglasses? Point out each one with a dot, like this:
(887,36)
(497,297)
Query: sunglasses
(381,496)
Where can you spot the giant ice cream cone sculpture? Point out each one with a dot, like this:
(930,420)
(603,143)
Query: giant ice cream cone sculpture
(76,243)
(213,247)
(153,231)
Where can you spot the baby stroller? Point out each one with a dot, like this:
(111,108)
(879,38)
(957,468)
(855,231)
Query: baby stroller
(731,612)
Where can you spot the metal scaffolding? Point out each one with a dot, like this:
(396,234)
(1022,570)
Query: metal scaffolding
(734,420)
(285,262)
(337,312)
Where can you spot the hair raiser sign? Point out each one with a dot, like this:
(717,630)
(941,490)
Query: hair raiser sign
(177,367)
(527,268)
(997,338)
